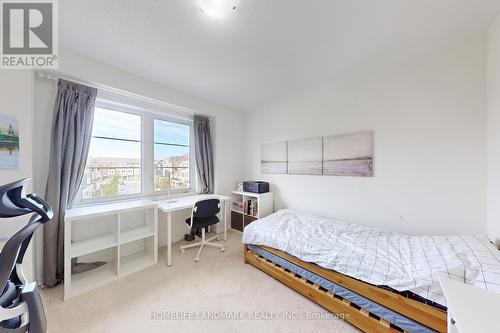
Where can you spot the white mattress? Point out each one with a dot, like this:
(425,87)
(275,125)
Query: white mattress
(400,261)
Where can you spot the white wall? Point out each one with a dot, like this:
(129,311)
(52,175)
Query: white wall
(228,124)
(16,96)
(493,130)
(427,114)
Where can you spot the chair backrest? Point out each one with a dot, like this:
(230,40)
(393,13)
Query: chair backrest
(13,252)
(10,199)
(12,204)
(206,208)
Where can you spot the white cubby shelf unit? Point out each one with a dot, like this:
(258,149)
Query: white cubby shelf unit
(242,214)
(123,235)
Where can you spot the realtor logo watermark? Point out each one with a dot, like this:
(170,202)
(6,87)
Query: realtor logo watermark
(29,38)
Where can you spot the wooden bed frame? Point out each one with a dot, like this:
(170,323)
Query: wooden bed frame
(359,317)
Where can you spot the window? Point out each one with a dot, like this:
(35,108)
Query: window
(171,156)
(114,162)
(136,151)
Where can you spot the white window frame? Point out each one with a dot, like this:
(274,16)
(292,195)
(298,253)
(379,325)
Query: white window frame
(148,115)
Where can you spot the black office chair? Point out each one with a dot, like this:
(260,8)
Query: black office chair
(21,308)
(203,215)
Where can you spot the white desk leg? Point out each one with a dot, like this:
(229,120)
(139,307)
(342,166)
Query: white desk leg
(225,221)
(169,239)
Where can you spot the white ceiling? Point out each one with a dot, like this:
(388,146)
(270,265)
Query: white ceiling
(266,48)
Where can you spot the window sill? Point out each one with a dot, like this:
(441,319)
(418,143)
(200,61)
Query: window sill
(163,196)
(156,197)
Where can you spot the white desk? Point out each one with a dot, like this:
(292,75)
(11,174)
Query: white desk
(473,309)
(187,203)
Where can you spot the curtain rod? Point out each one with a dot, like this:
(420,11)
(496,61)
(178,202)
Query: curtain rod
(124,93)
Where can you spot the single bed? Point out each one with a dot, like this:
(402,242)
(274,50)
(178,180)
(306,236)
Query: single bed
(377,280)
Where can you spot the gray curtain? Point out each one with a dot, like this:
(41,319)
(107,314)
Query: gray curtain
(204,153)
(69,147)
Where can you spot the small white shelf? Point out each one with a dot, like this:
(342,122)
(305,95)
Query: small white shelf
(241,212)
(135,262)
(239,217)
(131,235)
(83,247)
(89,280)
(251,194)
(128,231)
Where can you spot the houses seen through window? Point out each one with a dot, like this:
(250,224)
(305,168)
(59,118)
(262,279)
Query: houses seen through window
(171,156)
(114,161)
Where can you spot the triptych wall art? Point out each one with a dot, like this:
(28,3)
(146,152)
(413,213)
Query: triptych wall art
(335,155)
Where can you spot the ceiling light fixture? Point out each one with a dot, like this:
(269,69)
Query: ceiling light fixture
(218,8)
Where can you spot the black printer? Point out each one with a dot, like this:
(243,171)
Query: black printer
(256,186)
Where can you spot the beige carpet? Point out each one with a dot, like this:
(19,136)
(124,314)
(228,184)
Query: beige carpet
(219,285)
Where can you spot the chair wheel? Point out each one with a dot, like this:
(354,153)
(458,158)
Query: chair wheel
(182,250)
(218,239)
(196,259)
(222,249)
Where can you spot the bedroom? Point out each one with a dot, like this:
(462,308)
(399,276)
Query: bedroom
(185,98)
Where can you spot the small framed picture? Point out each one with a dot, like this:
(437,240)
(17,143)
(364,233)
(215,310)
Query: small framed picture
(9,143)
